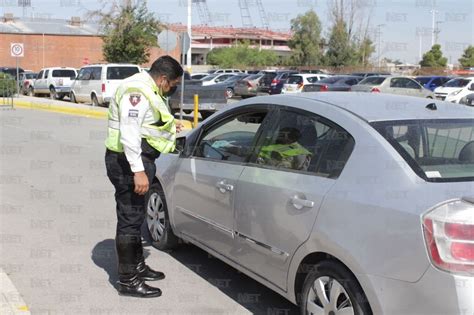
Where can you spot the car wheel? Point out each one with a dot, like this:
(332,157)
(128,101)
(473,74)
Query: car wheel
(72,97)
(95,101)
(429,97)
(52,93)
(330,288)
(31,92)
(229,92)
(157,219)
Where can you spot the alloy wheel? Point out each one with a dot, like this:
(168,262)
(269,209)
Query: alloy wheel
(156,216)
(327,296)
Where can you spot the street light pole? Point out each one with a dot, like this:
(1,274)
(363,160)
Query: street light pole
(379,33)
(433,31)
(188,53)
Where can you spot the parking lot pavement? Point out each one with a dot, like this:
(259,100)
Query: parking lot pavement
(57,223)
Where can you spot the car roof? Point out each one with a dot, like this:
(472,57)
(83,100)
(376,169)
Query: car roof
(382,107)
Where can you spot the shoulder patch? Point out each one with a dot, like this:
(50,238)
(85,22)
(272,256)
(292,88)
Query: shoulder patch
(135,98)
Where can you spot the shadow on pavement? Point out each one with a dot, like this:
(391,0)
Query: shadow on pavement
(249,293)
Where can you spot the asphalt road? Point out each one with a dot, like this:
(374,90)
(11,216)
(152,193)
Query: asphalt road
(57,223)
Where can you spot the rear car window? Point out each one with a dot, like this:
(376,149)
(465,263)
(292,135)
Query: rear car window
(372,81)
(423,80)
(294,79)
(437,150)
(64,74)
(457,83)
(120,73)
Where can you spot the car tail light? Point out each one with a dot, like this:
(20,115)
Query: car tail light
(275,82)
(249,84)
(375,90)
(300,85)
(103,87)
(324,88)
(449,236)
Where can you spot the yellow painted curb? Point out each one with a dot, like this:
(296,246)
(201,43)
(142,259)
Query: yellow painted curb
(87,112)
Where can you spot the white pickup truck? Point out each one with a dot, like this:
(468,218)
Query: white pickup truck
(55,82)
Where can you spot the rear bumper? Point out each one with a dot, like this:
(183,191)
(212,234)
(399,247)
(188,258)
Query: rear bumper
(436,292)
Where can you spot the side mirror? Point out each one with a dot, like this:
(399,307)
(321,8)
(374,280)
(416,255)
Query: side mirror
(180,145)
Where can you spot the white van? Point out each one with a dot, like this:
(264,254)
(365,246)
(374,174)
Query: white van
(96,84)
(55,82)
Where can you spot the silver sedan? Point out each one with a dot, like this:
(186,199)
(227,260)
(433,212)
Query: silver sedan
(392,85)
(343,203)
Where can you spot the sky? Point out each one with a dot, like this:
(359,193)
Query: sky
(401,24)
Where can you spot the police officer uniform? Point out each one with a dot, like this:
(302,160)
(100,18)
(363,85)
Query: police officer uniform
(140,127)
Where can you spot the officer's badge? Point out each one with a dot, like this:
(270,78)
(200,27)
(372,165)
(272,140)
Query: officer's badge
(134,99)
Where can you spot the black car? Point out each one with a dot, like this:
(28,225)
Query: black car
(468,100)
(335,83)
(280,78)
(11,71)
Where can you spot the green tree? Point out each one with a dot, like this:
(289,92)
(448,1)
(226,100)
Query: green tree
(306,40)
(129,32)
(364,51)
(434,58)
(467,59)
(241,55)
(341,50)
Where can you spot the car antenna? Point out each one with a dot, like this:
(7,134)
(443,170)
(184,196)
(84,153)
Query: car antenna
(431,106)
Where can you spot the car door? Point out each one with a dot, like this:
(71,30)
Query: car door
(414,88)
(206,181)
(397,86)
(40,85)
(277,202)
(37,81)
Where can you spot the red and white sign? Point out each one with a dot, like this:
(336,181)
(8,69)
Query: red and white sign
(16,49)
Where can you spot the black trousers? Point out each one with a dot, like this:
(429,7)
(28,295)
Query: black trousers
(131,208)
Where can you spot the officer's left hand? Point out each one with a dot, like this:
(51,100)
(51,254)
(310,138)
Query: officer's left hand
(179,127)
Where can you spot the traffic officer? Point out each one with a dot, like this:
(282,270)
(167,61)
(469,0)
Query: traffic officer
(141,127)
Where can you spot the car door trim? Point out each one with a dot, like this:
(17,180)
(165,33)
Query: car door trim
(266,246)
(206,220)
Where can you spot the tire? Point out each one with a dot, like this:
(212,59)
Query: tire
(157,219)
(52,93)
(72,97)
(429,97)
(95,101)
(205,114)
(229,92)
(349,295)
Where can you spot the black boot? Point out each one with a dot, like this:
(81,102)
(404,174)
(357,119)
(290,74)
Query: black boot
(145,272)
(129,281)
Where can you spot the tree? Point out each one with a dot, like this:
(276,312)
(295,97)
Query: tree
(365,49)
(467,59)
(129,32)
(306,39)
(241,55)
(341,51)
(434,58)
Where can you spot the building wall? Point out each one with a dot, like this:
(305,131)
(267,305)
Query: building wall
(59,50)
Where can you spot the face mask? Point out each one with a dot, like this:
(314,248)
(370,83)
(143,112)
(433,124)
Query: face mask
(170,92)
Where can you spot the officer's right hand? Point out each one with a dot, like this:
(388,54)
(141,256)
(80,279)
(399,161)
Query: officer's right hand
(141,183)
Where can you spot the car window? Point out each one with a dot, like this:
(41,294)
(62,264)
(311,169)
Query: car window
(63,73)
(312,79)
(457,83)
(439,150)
(294,79)
(40,75)
(302,141)
(232,140)
(372,81)
(411,84)
(120,73)
(437,82)
(96,73)
(423,80)
(46,74)
(84,74)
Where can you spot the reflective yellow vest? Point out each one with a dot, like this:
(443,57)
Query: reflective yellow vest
(158,126)
(282,154)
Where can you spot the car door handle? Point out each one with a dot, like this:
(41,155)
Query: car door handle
(224,187)
(300,203)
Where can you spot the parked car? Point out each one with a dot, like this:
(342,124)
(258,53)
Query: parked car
(296,82)
(335,83)
(455,89)
(392,85)
(344,229)
(432,82)
(277,82)
(11,71)
(216,78)
(468,100)
(248,86)
(198,76)
(55,82)
(224,71)
(230,83)
(26,83)
(370,74)
(96,84)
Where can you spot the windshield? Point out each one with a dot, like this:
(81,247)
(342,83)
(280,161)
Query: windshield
(438,150)
(423,81)
(456,83)
(120,73)
(372,81)
(64,74)
(209,77)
